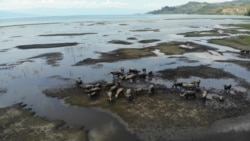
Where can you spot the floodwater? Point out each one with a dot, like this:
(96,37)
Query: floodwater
(25,78)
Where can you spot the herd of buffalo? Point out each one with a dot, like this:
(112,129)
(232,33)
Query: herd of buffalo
(115,89)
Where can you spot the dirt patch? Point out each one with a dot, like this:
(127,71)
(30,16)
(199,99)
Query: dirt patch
(68,34)
(41,46)
(18,123)
(134,53)
(51,58)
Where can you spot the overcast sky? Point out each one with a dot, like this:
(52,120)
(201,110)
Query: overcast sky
(133,5)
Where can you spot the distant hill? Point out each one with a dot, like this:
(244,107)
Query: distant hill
(236,7)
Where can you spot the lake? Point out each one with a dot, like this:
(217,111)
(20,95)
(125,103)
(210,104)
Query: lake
(24,75)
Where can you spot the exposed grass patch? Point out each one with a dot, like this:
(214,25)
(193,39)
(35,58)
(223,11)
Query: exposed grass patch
(245,26)
(203,33)
(170,48)
(134,53)
(241,42)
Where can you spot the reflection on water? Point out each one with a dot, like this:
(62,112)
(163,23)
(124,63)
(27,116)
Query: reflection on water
(25,81)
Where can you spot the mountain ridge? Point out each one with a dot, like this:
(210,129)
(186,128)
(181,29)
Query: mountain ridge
(236,7)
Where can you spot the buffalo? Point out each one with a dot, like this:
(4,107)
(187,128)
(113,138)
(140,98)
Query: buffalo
(151,89)
(177,84)
(188,86)
(227,88)
(138,91)
(110,97)
(128,94)
(78,82)
(204,95)
(196,82)
(187,94)
(218,98)
(119,92)
(133,70)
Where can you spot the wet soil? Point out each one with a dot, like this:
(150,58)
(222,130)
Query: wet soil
(19,123)
(41,46)
(164,115)
(203,71)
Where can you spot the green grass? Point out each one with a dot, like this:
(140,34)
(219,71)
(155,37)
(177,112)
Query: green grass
(169,48)
(241,42)
(245,26)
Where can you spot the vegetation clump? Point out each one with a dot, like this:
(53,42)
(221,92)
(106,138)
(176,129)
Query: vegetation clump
(18,123)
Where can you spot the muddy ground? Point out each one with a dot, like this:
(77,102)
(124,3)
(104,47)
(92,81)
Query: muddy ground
(19,123)
(165,115)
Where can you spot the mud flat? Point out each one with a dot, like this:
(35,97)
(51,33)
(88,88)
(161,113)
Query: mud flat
(135,53)
(19,123)
(161,116)
(68,34)
(146,30)
(119,42)
(149,41)
(202,71)
(41,46)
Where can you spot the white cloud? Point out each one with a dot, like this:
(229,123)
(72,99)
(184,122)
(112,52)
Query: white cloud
(21,4)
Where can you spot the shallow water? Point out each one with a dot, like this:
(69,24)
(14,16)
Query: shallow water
(24,81)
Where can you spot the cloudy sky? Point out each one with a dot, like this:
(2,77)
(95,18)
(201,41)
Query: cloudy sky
(139,6)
